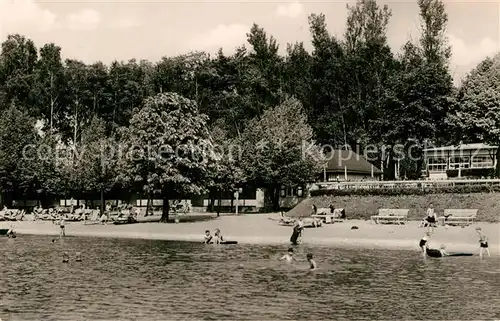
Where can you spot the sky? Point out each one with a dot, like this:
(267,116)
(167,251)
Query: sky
(107,30)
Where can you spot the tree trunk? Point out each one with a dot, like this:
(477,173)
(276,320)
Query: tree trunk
(103,205)
(166,206)
(497,159)
(232,203)
(276,198)
(211,195)
(220,203)
(148,204)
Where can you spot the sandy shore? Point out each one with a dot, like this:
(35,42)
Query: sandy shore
(264,229)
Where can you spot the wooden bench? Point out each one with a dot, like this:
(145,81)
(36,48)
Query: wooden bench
(463,217)
(388,215)
(327,217)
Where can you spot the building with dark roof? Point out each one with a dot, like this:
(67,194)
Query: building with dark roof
(346,165)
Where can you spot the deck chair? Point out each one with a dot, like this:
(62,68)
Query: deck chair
(286,220)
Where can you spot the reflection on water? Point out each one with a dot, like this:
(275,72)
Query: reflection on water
(155,280)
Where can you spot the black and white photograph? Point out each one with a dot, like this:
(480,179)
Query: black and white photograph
(249,160)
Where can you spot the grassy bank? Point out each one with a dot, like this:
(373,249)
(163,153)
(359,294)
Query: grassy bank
(362,207)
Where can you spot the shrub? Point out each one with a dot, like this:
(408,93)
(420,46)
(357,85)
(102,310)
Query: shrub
(462,189)
(472,172)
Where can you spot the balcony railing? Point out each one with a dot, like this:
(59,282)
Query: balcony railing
(406,184)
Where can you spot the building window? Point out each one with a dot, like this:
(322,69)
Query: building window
(300,191)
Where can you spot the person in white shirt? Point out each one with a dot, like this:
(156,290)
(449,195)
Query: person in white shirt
(431,219)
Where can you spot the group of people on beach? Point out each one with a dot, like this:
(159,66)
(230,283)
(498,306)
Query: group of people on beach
(213,239)
(424,244)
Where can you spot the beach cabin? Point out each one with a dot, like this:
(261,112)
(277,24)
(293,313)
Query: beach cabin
(346,165)
(464,160)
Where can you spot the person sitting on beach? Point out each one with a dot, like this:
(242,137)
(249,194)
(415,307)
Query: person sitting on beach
(423,244)
(218,236)
(431,218)
(208,237)
(312,264)
(289,256)
(483,243)
(442,249)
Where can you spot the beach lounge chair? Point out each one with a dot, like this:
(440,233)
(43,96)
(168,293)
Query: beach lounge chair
(285,220)
(388,215)
(461,217)
(327,217)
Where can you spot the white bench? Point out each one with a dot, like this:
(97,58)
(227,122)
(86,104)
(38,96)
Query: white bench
(327,216)
(388,215)
(458,216)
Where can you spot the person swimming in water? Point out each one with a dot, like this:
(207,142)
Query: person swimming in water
(312,264)
(483,243)
(289,258)
(78,257)
(65,257)
(208,237)
(423,244)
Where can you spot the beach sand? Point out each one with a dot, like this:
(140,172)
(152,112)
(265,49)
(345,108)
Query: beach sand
(264,229)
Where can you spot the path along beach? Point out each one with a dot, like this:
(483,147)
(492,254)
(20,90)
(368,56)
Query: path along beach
(264,229)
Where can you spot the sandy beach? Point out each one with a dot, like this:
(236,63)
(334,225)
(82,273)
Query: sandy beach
(264,229)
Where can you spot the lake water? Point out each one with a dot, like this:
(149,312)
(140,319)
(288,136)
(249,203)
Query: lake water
(155,280)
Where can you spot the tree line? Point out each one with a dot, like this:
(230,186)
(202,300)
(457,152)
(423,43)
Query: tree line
(350,90)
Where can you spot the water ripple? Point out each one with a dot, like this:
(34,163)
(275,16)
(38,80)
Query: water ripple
(156,280)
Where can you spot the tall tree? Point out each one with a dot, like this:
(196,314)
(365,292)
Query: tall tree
(477,116)
(279,150)
(18,61)
(166,140)
(17,139)
(49,85)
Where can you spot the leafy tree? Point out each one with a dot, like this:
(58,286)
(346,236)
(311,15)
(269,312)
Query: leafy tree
(17,135)
(166,140)
(97,159)
(18,61)
(224,172)
(477,115)
(49,85)
(278,150)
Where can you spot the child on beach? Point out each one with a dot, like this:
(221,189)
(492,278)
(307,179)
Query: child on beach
(218,236)
(423,244)
(208,237)
(61,225)
(442,250)
(289,256)
(431,218)
(483,243)
(312,264)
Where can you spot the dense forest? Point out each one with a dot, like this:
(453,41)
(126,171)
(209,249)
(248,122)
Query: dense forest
(351,91)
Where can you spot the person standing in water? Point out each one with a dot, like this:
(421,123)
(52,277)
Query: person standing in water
(423,244)
(312,264)
(289,258)
(483,243)
(62,227)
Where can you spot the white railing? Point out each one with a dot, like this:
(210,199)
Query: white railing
(406,184)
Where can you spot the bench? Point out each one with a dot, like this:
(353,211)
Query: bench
(458,217)
(327,217)
(388,215)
